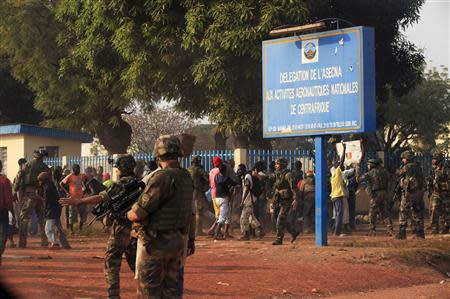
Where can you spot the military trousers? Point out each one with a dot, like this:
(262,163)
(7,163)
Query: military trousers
(248,219)
(159,265)
(379,207)
(440,212)
(287,220)
(119,243)
(31,202)
(412,207)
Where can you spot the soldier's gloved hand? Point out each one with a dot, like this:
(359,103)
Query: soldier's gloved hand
(191,247)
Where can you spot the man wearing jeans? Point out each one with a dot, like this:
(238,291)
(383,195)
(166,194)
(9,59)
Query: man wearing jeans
(337,193)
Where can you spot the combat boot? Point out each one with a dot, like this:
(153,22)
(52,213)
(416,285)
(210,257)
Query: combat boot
(420,233)
(278,241)
(401,234)
(245,236)
(390,232)
(372,233)
(260,232)
(294,236)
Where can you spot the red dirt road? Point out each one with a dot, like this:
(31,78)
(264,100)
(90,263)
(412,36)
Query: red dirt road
(232,269)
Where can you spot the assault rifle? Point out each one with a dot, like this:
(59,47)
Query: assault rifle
(397,189)
(119,204)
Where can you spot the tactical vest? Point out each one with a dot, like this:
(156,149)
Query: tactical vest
(413,178)
(32,170)
(282,185)
(441,180)
(175,212)
(380,179)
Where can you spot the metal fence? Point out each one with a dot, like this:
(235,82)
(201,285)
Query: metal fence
(53,161)
(92,161)
(206,156)
(392,161)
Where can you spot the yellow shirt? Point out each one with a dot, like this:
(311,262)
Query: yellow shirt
(337,184)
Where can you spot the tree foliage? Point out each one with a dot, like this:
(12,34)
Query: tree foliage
(71,96)
(88,60)
(419,117)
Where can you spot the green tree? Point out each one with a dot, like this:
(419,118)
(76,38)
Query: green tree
(70,96)
(419,117)
(203,56)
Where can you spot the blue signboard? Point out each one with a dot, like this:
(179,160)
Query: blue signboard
(321,83)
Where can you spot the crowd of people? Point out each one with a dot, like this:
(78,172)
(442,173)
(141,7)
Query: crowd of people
(35,192)
(268,196)
(280,199)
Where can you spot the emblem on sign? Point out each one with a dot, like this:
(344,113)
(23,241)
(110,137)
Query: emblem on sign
(310,51)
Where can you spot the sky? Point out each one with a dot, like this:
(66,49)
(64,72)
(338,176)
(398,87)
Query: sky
(432,32)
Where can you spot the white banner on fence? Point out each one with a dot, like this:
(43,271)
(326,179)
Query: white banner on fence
(353,152)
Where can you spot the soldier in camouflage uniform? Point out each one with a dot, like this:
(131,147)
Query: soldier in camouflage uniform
(163,214)
(377,179)
(411,204)
(120,241)
(439,190)
(285,196)
(30,199)
(201,185)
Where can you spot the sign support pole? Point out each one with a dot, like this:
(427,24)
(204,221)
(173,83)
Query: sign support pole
(321,192)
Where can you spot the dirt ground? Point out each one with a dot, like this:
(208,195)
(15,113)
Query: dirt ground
(354,266)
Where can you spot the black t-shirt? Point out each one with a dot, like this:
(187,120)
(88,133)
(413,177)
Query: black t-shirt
(223,185)
(52,206)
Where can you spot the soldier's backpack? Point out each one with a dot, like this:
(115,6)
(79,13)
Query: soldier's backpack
(381,180)
(32,170)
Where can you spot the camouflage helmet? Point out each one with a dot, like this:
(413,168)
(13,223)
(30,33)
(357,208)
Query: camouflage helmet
(282,161)
(167,145)
(408,155)
(125,163)
(437,156)
(196,160)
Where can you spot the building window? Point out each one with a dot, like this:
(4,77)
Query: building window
(53,151)
(3,158)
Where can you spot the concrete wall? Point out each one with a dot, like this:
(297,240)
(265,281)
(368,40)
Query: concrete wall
(14,151)
(23,145)
(67,147)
